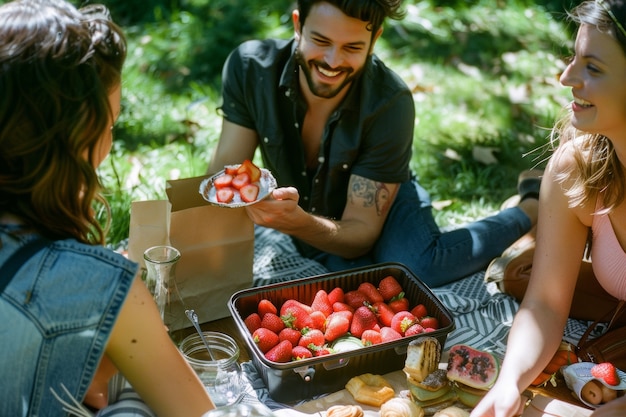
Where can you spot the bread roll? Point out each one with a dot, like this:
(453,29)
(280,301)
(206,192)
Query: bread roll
(400,407)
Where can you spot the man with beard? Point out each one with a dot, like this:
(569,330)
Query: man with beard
(334,125)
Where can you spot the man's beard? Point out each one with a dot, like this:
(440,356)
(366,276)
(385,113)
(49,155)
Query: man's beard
(321,89)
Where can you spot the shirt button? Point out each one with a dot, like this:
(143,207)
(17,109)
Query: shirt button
(266,140)
(320,159)
(303,173)
(312,209)
(306,198)
(297,125)
(345,166)
(317,180)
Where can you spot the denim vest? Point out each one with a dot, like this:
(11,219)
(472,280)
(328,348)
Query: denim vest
(56,317)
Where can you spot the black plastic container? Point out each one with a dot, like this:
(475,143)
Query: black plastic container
(304,379)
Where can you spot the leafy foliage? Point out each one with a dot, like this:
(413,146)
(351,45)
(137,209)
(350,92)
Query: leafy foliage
(484,76)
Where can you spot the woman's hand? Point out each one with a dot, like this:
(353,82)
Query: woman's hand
(503,400)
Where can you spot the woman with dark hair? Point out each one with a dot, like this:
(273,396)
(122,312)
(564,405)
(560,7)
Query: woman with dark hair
(73,312)
(583,189)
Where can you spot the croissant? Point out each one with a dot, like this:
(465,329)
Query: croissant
(400,407)
(344,411)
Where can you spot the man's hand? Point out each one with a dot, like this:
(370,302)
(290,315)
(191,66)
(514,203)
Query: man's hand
(278,211)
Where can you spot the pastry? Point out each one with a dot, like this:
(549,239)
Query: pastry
(344,411)
(400,407)
(370,389)
(422,357)
(452,412)
(433,386)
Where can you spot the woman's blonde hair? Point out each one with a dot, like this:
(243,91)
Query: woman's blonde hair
(597,168)
(58,66)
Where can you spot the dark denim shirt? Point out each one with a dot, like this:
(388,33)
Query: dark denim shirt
(370,134)
(57,315)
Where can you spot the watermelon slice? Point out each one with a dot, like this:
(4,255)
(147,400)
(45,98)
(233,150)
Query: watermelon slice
(472,367)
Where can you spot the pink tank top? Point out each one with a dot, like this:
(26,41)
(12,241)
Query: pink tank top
(608,257)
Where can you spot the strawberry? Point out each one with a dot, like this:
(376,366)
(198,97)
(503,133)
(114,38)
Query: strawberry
(371,292)
(321,351)
(336,295)
(413,330)
(252,170)
(429,322)
(363,319)
(280,353)
(419,311)
(291,302)
(273,322)
(240,180)
(606,371)
(371,337)
(265,339)
(388,334)
(231,170)
(252,322)
(402,321)
(399,303)
(224,195)
(249,193)
(296,317)
(384,313)
(355,298)
(266,306)
(290,334)
(322,303)
(300,352)
(389,287)
(339,306)
(222,181)
(311,337)
(337,325)
(318,320)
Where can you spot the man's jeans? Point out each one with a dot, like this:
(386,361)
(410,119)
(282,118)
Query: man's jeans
(411,237)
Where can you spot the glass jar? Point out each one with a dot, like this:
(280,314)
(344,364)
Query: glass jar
(221,377)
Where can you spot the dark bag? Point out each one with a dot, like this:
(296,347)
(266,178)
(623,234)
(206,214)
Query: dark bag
(609,347)
(511,273)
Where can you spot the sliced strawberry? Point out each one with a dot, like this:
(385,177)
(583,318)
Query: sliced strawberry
(224,195)
(222,181)
(252,170)
(231,169)
(240,180)
(249,192)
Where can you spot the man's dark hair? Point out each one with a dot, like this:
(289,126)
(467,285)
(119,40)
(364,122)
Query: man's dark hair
(372,11)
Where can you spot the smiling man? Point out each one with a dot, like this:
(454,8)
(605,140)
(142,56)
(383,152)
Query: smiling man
(335,125)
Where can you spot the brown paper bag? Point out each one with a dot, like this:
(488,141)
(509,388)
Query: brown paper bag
(216,246)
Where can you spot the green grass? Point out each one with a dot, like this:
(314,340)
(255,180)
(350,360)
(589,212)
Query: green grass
(484,76)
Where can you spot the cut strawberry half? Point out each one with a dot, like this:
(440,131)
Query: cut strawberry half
(231,169)
(225,195)
(224,180)
(249,192)
(240,180)
(252,170)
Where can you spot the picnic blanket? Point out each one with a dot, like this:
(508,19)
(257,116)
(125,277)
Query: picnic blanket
(482,314)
